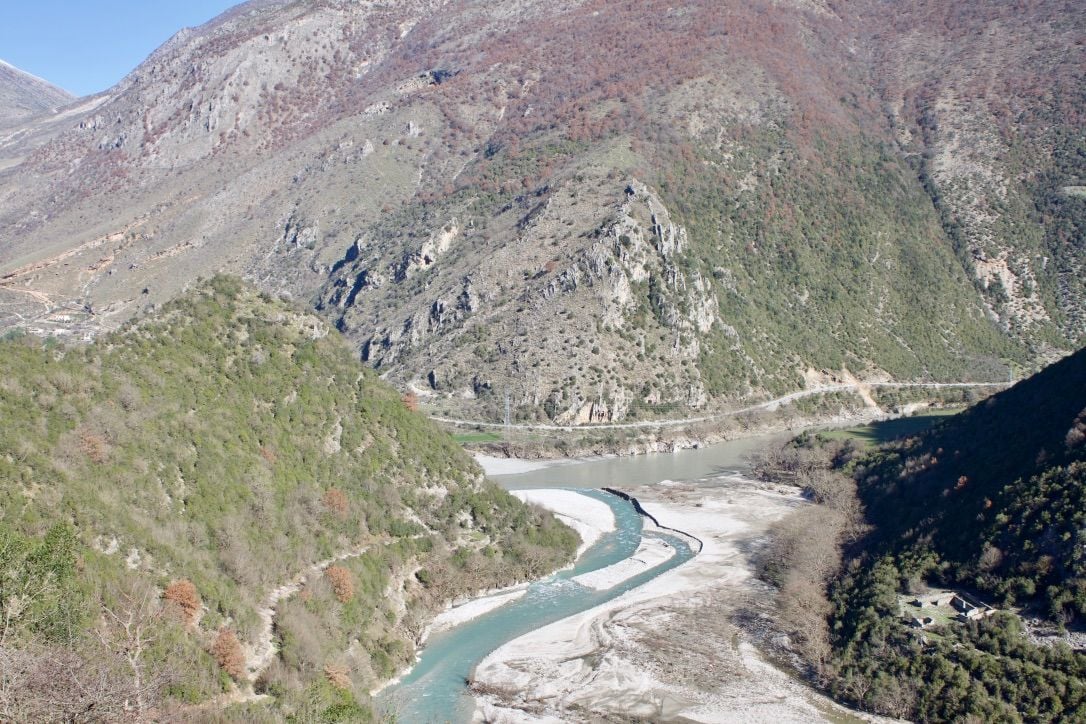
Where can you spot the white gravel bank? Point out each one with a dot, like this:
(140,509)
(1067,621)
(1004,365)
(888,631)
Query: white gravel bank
(666,650)
(591,518)
(651,553)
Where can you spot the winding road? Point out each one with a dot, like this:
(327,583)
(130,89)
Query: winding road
(769,406)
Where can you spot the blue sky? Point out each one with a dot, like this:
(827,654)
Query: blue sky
(85,46)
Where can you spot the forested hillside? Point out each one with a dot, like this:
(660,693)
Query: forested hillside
(158,485)
(997,492)
(993,502)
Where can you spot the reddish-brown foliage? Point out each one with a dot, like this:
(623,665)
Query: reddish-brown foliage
(342,583)
(94,447)
(411,401)
(183,596)
(335,500)
(228,654)
(338,676)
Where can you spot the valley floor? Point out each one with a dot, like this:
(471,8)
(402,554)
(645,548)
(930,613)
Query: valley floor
(671,650)
(518,448)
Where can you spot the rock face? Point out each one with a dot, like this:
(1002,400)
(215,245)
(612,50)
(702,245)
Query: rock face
(23,95)
(485,207)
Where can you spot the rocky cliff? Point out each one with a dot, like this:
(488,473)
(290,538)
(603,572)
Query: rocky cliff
(604,212)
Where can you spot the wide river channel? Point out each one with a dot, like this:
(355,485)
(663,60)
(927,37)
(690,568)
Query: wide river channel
(435,691)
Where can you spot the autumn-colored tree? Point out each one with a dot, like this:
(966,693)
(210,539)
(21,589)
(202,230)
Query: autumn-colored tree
(94,447)
(411,401)
(338,675)
(183,596)
(335,500)
(228,654)
(342,583)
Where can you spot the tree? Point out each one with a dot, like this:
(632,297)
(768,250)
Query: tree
(228,654)
(335,500)
(182,595)
(342,583)
(54,683)
(35,583)
(128,630)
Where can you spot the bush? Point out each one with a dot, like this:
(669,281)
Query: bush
(183,596)
(342,583)
(228,654)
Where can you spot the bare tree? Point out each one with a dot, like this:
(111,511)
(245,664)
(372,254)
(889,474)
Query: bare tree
(128,630)
(53,683)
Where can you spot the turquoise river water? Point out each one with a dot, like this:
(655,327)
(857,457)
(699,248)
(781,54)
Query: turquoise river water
(435,690)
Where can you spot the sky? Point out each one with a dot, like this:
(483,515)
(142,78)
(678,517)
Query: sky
(86,46)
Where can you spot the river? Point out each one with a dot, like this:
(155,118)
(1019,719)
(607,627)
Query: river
(434,690)
(724,458)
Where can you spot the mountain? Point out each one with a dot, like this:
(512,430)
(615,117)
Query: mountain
(602,212)
(220,496)
(1009,476)
(992,502)
(23,95)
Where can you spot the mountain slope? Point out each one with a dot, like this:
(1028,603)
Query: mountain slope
(22,95)
(990,103)
(229,443)
(993,501)
(483,203)
(1009,476)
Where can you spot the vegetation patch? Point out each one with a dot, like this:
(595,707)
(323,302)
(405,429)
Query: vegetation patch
(883,431)
(897,612)
(158,485)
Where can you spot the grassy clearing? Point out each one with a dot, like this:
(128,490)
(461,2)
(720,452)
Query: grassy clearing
(468,438)
(877,433)
(833,714)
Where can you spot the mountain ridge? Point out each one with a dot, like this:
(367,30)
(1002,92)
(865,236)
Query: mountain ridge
(459,209)
(228,454)
(23,94)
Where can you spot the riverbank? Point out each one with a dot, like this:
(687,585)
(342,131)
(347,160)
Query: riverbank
(493,465)
(471,610)
(515,456)
(672,648)
(591,519)
(829,405)
(651,553)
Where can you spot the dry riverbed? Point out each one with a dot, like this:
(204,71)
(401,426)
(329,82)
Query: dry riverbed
(670,650)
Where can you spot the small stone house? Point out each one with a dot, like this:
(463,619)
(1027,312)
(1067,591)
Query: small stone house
(959,604)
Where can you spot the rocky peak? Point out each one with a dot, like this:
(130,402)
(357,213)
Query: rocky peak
(23,95)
